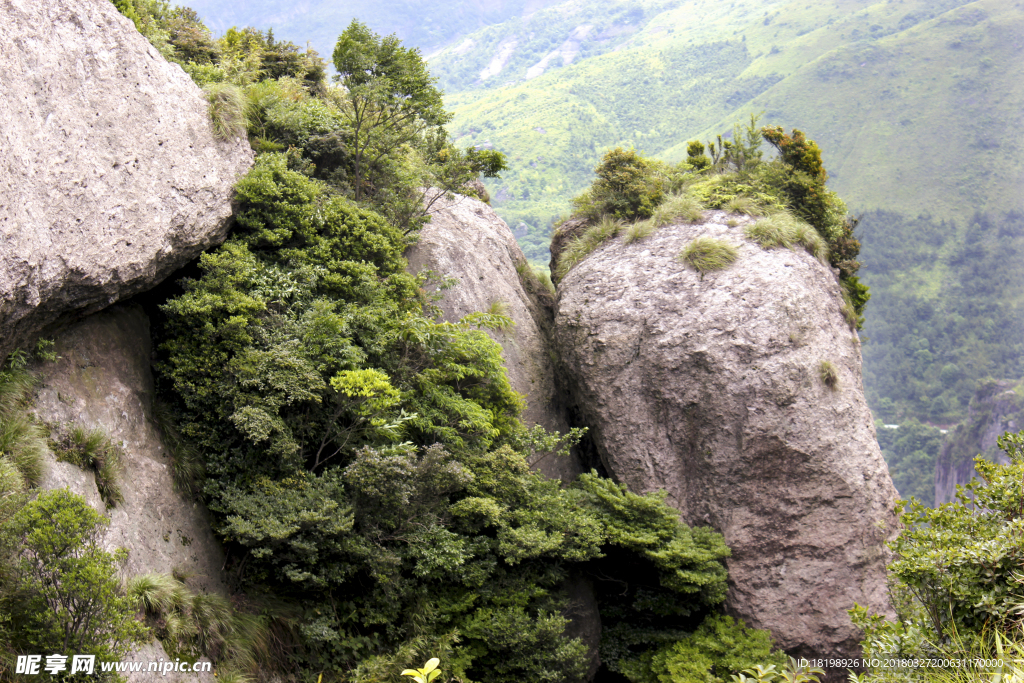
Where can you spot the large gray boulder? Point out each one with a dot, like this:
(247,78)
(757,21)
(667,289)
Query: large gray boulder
(710,388)
(110,176)
(466,240)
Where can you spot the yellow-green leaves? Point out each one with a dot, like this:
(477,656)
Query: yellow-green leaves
(371,385)
(425,675)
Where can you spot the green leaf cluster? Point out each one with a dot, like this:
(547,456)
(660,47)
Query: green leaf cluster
(65,593)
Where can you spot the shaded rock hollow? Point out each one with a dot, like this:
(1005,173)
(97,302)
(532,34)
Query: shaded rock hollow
(110,176)
(710,388)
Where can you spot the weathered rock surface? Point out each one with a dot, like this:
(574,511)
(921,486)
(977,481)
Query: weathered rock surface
(996,408)
(103,380)
(110,177)
(710,388)
(466,240)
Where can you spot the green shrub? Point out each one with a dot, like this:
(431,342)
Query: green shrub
(706,254)
(227,110)
(716,652)
(627,188)
(67,593)
(954,576)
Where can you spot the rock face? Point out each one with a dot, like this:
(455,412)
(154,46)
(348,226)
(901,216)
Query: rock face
(996,408)
(466,240)
(711,388)
(103,380)
(110,177)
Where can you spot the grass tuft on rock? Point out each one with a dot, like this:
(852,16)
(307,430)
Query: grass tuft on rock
(93,449)
(829,374)
(605,229)
(227,110)
(783,230)
(744,205)
(706,254)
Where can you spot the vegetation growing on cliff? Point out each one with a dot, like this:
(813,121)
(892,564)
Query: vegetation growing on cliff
(365,462)
(732,175)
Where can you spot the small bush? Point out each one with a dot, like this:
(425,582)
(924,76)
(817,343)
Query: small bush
(783,230)
(227,110)
(627,187)
(581,247)
(829,375)
(705,254)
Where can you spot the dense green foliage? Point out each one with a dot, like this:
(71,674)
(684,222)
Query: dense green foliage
(946,311)
(911,451)
(955,576)
(367,462)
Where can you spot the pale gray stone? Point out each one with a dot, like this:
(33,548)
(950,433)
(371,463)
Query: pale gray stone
(110,177)
(102,380)
(710,388)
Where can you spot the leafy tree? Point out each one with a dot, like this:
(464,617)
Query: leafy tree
(626,187)
(391,96)
(68,597)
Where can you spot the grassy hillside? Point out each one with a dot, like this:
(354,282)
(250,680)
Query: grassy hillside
(915,102)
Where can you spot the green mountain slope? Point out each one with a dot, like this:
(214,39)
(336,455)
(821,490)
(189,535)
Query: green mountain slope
(915,102)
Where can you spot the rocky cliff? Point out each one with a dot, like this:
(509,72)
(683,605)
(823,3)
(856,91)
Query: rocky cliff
(466,240)
(996,407)
(713,387)
(110,176)
(102,381)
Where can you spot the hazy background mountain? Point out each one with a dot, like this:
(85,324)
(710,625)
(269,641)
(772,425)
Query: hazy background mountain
(917,104)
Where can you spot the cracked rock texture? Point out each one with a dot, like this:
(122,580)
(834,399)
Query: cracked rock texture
(467,241)
(110,177)
(710,388)
(103,380)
